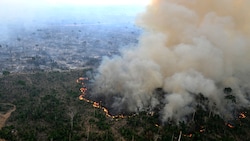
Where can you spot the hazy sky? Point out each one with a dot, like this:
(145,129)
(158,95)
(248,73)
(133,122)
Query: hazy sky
(14,10)
(10,3)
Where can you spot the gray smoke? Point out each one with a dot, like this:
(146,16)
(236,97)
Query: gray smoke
(189,47)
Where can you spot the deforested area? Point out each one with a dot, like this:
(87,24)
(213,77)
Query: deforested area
(118,70)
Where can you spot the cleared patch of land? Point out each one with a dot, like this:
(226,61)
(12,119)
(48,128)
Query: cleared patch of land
(5,116)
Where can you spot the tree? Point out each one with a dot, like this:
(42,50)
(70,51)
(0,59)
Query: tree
(5,73)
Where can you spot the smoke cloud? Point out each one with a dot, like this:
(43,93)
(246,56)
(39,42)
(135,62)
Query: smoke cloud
(189,47)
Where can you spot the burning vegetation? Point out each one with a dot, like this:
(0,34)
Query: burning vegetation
(187,49)
(186,69)
(48,119)
(194,128)
(193,85)
(242,115)
(95,104)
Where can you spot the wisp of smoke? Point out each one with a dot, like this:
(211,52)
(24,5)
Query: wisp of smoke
(188,48)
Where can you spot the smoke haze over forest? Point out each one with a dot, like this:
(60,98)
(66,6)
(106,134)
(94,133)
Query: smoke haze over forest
(188,47)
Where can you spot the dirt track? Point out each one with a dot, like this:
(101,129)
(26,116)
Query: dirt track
(4,117)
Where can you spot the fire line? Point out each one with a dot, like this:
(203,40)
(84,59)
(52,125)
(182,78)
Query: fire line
(95,104)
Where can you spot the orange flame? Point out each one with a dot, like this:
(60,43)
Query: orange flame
(83,90)
(82,78)
(242,115)
(230,125)
(97,104)
(81,97)
(105,110)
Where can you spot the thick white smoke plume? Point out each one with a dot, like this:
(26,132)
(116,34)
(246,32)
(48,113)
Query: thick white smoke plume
(189,47)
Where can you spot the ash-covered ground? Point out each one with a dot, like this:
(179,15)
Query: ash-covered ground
(66,38)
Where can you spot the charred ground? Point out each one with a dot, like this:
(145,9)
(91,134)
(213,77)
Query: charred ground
(48,108)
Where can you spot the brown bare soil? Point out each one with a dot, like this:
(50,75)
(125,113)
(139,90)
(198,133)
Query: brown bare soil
(4,117)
